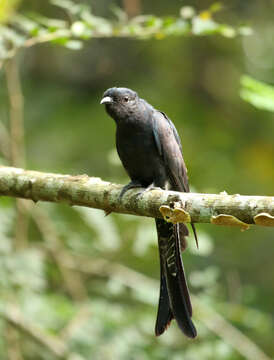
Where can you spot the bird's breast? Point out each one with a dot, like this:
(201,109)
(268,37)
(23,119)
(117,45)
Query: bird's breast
(137,151)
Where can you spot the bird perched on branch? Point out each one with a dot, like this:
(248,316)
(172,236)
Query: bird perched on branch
(151,152)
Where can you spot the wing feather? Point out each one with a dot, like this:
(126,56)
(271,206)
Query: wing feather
(169,147)
(171,151)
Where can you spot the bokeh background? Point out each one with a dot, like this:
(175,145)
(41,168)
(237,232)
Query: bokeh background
(77,285)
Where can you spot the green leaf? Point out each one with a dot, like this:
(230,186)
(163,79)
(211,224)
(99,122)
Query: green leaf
(153,22)
(10,35)
(187,12)
(119,13)
(96,23)
(179,27)
(51,24)
(61,36)
(70,6)
(29,26)
(227,31)
(203,26)
(257,93)
(81,30)
(74,44)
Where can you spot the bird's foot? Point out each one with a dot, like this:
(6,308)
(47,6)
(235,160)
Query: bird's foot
(149,188)
(131,185)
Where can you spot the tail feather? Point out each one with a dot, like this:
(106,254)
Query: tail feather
(164,315)
(174,299)
(195,235)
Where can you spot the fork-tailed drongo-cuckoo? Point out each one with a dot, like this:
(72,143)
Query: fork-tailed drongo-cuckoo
(151,152)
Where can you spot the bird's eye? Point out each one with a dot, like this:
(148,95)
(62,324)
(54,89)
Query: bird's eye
(126,99)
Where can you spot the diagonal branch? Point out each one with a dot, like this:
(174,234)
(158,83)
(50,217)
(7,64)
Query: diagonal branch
(220,209)
(53,344)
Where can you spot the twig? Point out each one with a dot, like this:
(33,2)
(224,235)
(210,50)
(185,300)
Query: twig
(53,344)
(41,39)
(13,347)
(81,317)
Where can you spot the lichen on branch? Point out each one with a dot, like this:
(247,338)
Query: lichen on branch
(95,193)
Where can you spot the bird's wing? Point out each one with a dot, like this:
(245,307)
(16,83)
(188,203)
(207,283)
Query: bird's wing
(176,135)
(170,149)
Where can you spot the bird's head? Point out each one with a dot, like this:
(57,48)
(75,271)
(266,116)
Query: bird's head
(120,102)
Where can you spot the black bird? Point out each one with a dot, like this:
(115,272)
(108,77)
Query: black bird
(151,152)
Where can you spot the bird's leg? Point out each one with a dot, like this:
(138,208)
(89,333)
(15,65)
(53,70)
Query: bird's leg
(131,185)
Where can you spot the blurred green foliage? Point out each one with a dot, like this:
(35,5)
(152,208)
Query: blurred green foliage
(86,285)
(29,29)
(6,9)
(257,93)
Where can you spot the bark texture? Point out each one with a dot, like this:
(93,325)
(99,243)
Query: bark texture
(220,209)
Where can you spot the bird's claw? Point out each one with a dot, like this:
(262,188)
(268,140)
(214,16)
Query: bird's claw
(131,185)
(149,188)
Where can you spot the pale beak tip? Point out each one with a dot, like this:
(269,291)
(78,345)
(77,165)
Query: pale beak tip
(106,100)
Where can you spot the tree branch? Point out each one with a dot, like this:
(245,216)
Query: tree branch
(53,344)
(220,209)
(17,142)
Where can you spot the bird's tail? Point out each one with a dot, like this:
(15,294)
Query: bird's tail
(174,300)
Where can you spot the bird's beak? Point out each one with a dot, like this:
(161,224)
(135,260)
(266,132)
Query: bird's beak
(106,100)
